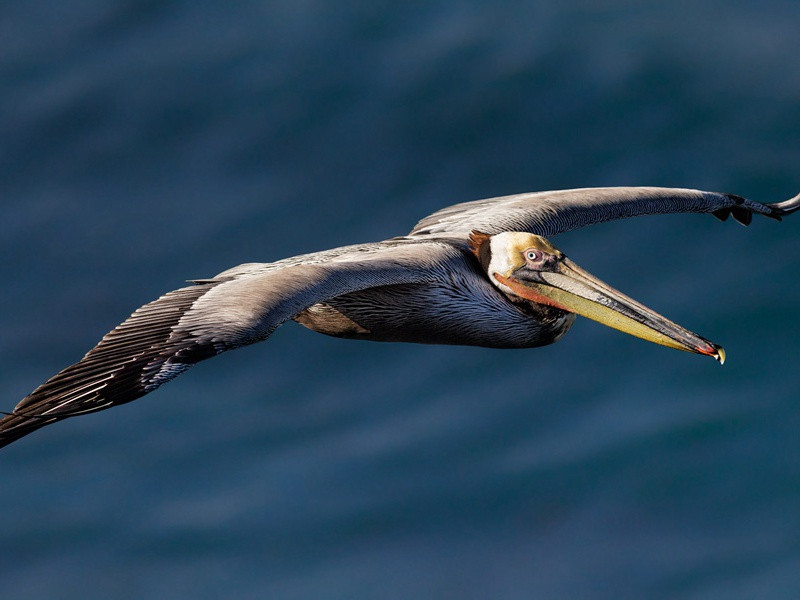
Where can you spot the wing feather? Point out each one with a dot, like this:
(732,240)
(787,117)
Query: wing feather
(162,339)
(550,213)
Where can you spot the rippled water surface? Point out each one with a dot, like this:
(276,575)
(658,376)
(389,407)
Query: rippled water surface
(146,143)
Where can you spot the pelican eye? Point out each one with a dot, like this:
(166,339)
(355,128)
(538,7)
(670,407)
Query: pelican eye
(532,255)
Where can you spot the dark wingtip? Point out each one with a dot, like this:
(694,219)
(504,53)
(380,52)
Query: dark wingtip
(722,213)
(742,209)
(742,215)
(15,425)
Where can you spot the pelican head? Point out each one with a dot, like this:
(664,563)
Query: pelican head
(527,266)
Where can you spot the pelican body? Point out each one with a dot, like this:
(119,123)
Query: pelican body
(459,306)
(478,273)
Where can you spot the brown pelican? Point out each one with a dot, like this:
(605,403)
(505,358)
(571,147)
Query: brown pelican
(477,273)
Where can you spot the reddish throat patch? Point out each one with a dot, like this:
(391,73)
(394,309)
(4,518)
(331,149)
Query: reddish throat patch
(528,293)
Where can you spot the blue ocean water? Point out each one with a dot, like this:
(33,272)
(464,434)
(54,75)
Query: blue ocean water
(144,143)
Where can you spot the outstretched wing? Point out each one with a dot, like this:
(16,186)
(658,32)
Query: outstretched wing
(550,213)
(240,306)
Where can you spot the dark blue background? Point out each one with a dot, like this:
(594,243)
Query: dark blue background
(145,143)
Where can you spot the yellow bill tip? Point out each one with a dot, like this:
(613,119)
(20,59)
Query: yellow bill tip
(720,355)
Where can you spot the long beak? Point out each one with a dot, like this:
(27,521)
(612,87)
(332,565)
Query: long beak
(571,288)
